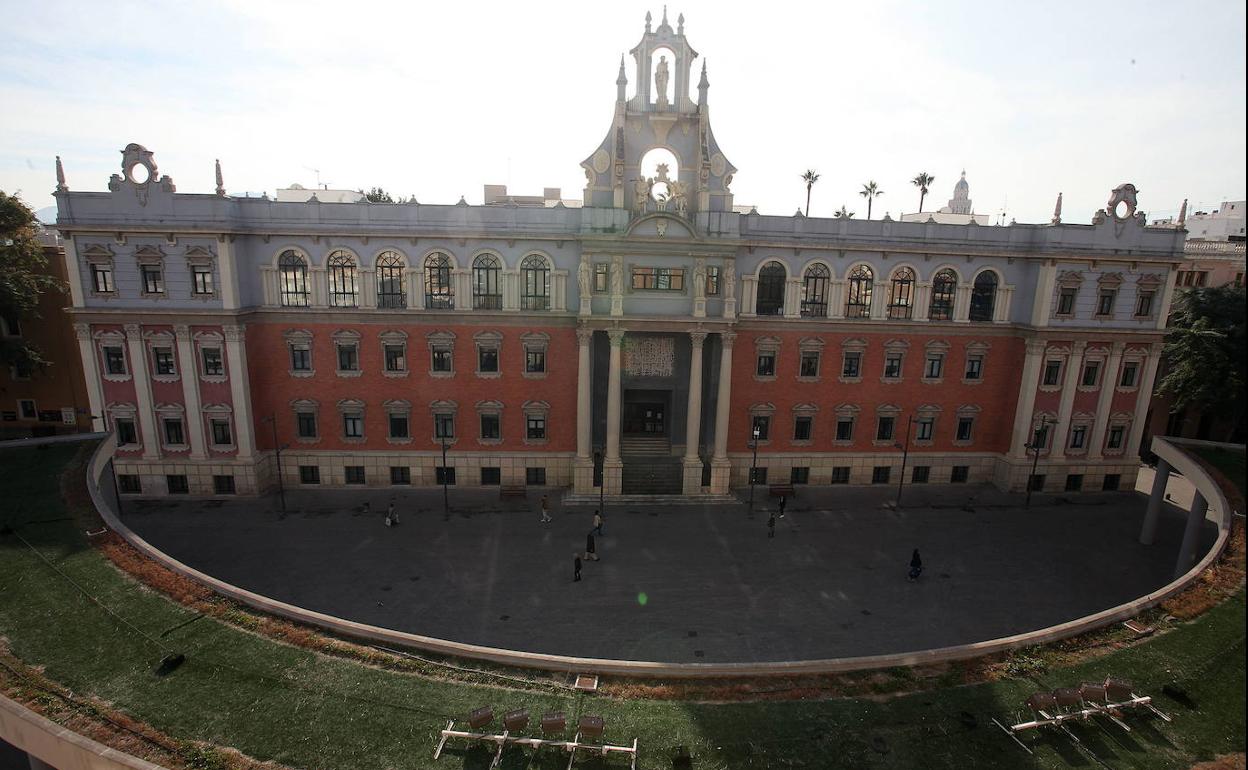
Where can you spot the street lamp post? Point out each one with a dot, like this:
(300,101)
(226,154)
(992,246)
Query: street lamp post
(753,467)
(1038,437)
(446,495)
(905,454)
(277,448)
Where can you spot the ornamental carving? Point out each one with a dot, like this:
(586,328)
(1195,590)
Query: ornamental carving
(649,356)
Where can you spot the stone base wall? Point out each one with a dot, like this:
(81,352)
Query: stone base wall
(153,476)
(980,468)
(1012,475)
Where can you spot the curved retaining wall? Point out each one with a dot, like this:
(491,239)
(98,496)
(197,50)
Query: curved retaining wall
(1164,448)
(59,746)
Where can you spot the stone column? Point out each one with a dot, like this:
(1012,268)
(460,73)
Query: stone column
(1155,500)
(1024,412)
(1042,302)
(1167,297)
(693,417)
(73,272)
(922,300)
(228,273)
(240,390)
(583,472)
(1104,402)
(728,284)
(91,374)
(749,296)
(189,369)
(1070,385)
(366,288)
(617,280)
(962,303)
(793,298)
(461,286)
(836,299)
(721,466)
(879,301)
(612,466)
(1191,535)
(318,286)
(1145,395)
(143,391)
(1001,309)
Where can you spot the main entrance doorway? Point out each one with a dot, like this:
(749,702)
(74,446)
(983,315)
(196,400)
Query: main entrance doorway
(645,419)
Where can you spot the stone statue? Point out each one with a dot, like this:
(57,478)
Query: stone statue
(730,281)
(678,195)
(641,193)
(617,277)
(699,278)
(660,81)
(583,277)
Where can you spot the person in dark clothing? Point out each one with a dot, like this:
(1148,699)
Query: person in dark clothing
(598,522)
(576,568)
(771,524)
(590,552)
(916,566)
(783,501)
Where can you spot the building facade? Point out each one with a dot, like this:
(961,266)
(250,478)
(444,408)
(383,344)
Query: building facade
(651,339)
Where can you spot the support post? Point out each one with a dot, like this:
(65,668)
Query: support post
(612,466)
(583,469)
(1155,500)
(693,417)
(721,466)
(1191,535)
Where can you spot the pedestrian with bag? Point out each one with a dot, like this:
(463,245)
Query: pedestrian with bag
(591,553)
(916,566)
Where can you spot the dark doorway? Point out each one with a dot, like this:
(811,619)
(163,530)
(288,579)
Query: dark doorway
(647,419)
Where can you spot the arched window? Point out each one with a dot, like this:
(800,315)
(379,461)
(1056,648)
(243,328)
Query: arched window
(858,299)
(293,279)
(391,285)
(901,294)
(487,293)
(815,291)
(944,289)
(534,283)
(983,296)
(770,289)
(341,279)
(439,295)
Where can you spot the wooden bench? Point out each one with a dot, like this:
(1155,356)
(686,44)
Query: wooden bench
(513,490)
(776,490)
(588,738)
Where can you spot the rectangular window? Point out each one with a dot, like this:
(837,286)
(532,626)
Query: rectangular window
(851,365)
(1116,433)
(1035,482)
(924,429)
(758,476)
(892,366)
(934,367)
(114,360)
(1040,439)
(884,428)
(766,365)
(799,476)
(398,426)
(309,474)
(920,474)
(491,477)
(1090,371)
(354,474)
(102,278)
(810,365)
(659,278)
(173,432)
(535,427)
(602,276)
(489,426)
(27,408)
(201,279)
(177,485)
(444,475)
(396,358)
(163,359)
(300,358)
(760,427)
(306,424)
(213,365)
(444,426)
(1074,482)
(223,485)
(880,474)
(153,281)
(1105,302)
(1110,482)
(840,474)
(348,357)
(1078,435)
(129,483)
(1144,304)
(974,367)
(1052,372)
(712,281)
(802,428)
(534,361)
(221,432)
(845,429)
(959,474)
(400,475)
(535,477)
(126,433)
(1130,370)
(1066,301)
(487,360)
(964,428)
(352,426)
(441,359)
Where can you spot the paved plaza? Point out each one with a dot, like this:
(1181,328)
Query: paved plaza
(683,583)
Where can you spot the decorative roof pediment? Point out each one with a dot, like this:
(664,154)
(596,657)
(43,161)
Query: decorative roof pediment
(662,225)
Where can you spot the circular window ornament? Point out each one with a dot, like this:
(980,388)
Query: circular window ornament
(1122,202)
(139,173)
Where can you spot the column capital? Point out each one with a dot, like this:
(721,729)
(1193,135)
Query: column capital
(82,331)
(1037,346)
(233,332)
(584,336)
(1117,348)
(1078,347)
(617,336)
(182,332)
(697,338)
(727,338)
(133,331)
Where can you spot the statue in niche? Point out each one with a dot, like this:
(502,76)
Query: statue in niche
(730,281)
(583,277)
(699,278)
(617,278)
(660,81)
(641,193)
(678,195)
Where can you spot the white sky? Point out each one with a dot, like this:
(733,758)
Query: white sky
(438,99)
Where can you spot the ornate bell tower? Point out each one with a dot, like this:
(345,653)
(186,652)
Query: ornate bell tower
(656,119)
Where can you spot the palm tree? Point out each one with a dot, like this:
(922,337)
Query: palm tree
(843,214)
(922,181)
(870,191)
(810,177)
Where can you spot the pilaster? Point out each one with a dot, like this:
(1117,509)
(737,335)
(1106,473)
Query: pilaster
(612,465)
(879,300)
(143,391)
(721,466)
(583,472)
(792,298)
(1142,401)
(90,373)
(693,417)
(922,300)
(188,366)
(73,273)
(1042,303)
(962,304)
(1104,401)
(240,396)
(1024,412)
(1070,386)
(227,270)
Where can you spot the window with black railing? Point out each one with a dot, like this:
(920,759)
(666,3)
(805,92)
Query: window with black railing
(534,283)
(439,294)
(815,291)
(944,290)
(983,296)
(487,292)
(771,279)
(342,279)
(292,280)
(391,284)
(858,296)
(901,294)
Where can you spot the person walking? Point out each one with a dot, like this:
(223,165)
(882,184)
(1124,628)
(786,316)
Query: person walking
(392,515)
(783,501)
(576,568)
(591,552)
(546,510)
(771,524)
(916,566)
(598,522)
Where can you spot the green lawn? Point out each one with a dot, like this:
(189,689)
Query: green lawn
(289,705)
(1230,463)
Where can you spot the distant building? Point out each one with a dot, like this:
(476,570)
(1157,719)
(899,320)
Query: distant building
(297,193)
(957,212)
(496,194)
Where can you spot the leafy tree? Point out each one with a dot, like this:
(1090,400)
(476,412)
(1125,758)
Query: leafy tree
(844,213)
(378,195)
(23,277)
(810,177)
(922,181)
(1205,353)
(870,191)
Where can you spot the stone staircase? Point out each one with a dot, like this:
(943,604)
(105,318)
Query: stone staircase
(645,446)
(649,467)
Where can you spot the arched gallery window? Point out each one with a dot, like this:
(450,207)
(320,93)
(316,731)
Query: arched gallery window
(293,279)
(439,295)
(983,296)
(391,291)
(944,289)
(487,292)
(858,299)
(901,294)
(815,291)
(770,289)
(342,284)
(534,283)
